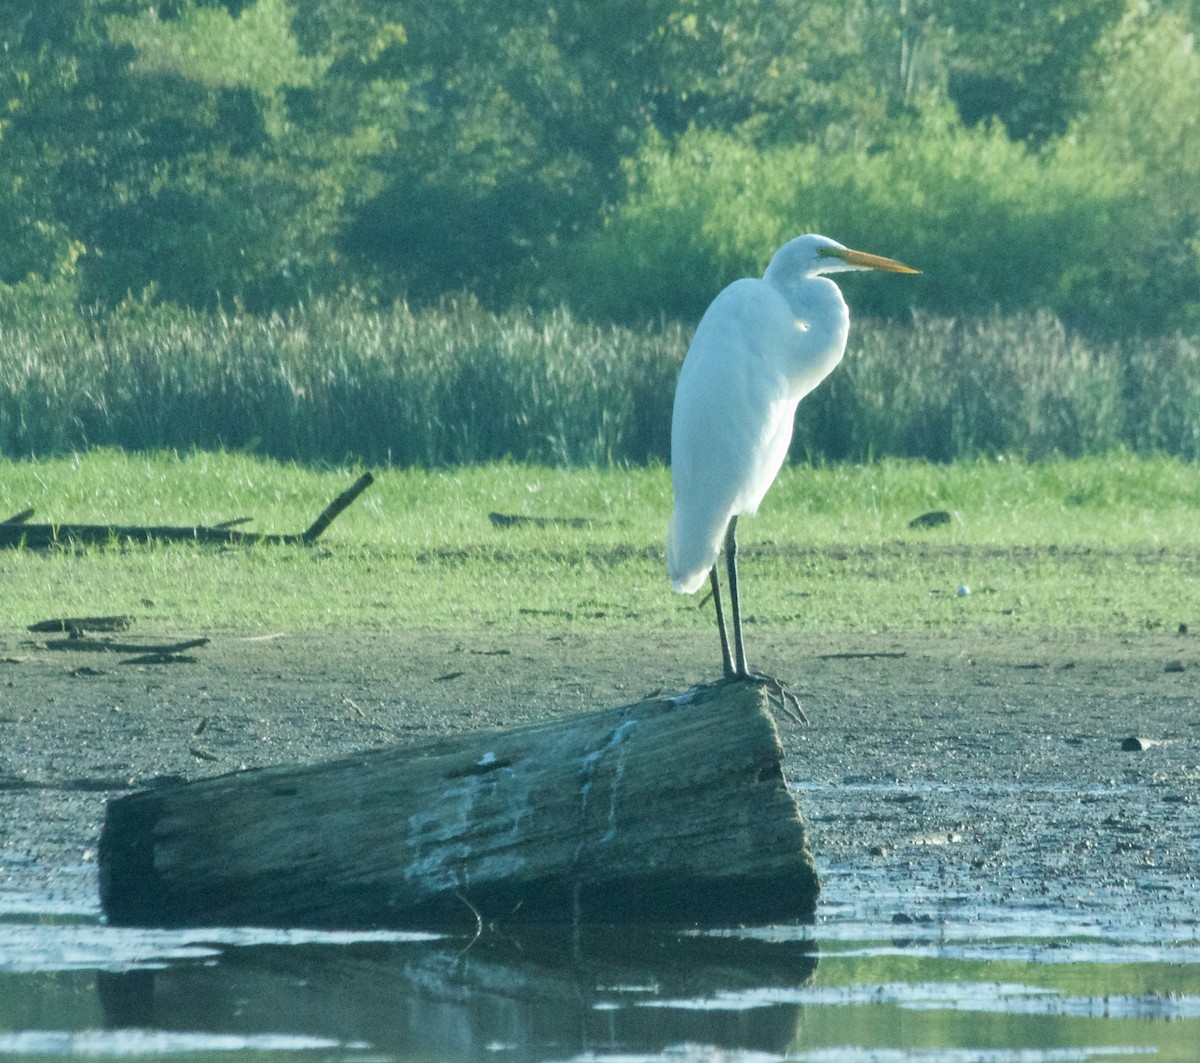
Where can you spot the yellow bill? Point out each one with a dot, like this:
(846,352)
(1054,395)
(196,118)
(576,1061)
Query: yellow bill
(867,261)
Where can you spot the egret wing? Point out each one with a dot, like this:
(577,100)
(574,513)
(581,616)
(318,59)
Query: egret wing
(731,424)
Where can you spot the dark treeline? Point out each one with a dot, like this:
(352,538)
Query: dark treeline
(623,158)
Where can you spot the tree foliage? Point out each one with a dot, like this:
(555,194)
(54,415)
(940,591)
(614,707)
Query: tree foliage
(625,158)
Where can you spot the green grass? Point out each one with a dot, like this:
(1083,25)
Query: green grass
(1087,545)
(441,387)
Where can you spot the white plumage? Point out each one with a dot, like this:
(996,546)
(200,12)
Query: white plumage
(762,345)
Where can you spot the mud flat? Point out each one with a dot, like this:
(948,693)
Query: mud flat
(943,776)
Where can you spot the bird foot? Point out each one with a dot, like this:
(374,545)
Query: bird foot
(788,703)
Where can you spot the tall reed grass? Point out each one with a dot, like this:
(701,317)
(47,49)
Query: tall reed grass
(344,382)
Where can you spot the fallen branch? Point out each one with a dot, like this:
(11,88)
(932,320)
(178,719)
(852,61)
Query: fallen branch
(18,532)
(87,645)
(76,626)
(331,511)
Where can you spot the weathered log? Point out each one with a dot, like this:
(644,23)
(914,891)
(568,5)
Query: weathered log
(671,811)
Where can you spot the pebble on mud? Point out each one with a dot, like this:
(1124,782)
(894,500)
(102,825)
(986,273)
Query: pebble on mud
(1134,744)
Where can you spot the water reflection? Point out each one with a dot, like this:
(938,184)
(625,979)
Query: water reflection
(532,998)
(912,994)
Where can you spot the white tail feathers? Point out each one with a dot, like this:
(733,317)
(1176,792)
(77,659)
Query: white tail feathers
(689,562)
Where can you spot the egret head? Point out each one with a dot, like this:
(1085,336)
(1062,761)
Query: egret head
(808,256)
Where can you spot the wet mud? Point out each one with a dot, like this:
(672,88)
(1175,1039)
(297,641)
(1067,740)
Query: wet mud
(942,778)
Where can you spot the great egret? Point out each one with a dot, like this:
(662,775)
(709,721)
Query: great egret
(762,345)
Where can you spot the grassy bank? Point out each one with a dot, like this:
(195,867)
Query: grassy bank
(346,383)
(1091,544)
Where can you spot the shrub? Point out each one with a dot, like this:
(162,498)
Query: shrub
(992,225)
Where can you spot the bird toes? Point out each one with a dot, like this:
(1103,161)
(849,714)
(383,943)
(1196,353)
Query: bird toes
(780,695)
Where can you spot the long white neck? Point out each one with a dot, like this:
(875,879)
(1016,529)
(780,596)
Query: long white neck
(822,325)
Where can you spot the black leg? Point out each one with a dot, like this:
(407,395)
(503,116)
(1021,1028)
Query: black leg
(739,645)
(726,659)
(736,666)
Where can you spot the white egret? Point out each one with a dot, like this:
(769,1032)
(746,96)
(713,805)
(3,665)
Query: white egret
(762,345)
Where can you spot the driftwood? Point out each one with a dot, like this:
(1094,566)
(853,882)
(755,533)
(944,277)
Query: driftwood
(76,626)
(18,531)
(83,644)
(670,811)
(79,639)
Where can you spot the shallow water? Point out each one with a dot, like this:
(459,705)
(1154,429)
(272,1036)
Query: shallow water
(1012,985)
